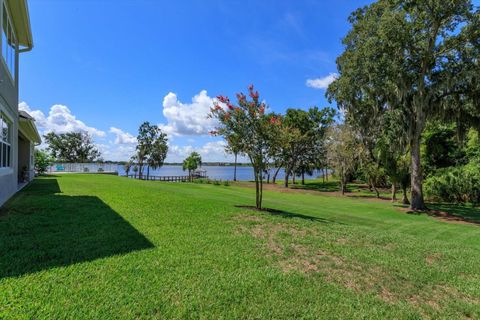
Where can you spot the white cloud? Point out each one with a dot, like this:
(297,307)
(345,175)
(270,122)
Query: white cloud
(212,151)
(116,152)
(183,119)
(187,118)
(59,120)
(122,137)
(322,83)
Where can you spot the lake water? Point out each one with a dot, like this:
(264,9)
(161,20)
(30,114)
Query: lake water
(215,172)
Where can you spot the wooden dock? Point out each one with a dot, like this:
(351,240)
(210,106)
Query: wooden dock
(199,174)
(161,178)
(164,178)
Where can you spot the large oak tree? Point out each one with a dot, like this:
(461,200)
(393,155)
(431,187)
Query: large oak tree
(72,147)
(420,57)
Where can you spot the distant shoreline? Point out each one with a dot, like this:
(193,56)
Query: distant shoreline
(204,164)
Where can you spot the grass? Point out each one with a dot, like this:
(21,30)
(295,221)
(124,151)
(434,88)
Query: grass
(106,247)
(354,189)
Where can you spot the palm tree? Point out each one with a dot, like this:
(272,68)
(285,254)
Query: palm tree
(192,163)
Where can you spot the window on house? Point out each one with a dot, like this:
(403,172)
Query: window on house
(5,142)
(8,42)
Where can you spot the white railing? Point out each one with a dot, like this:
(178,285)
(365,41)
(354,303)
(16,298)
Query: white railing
(84,167)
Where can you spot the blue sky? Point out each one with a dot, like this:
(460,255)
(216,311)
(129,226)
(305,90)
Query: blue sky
(107,66)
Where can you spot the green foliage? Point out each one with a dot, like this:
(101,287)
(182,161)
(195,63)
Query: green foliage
(455,184)
(252,130)
(343,152)
(441,147)
(192,162)
(152,147)
(417,58)
(473,145)
(43,160)
(72,147)
(300,141)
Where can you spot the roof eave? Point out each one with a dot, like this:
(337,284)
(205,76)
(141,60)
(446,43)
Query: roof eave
(21,18)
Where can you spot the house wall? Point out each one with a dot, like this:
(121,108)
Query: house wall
(9,107)
(23,157)
(9,176)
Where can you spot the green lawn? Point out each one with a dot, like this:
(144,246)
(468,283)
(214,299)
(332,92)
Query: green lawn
(105,247)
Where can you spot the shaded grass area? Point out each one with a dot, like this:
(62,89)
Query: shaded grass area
(355,189)
(47,229)
(104,247)
(464,212)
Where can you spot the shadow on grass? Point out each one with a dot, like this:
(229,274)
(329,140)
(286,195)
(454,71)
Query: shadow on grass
(353,189)
(467,213)
(40,229)
(286,214)
(328,186)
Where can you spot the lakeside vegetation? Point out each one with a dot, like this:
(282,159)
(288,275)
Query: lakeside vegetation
(89,246)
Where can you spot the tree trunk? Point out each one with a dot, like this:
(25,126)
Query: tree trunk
(404,197)
(287,173)
(394,192)
(258,204)
(377,193)
(293,178)
(235,169)
(342,185)
(323,175)
(303,177)
(260,196)
(417,178)
(274,178)
(148,172)
(326,174)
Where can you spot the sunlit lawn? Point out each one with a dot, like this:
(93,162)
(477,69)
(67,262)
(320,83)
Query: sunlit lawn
(106,247)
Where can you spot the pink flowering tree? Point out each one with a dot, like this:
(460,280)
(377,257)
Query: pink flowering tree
(251,129)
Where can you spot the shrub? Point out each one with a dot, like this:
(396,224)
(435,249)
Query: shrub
(43,161)
(455,184)
(226,183)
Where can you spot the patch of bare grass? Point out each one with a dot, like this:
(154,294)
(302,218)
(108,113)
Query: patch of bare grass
(295,249)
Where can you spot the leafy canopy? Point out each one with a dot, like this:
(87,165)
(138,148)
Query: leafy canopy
(72,147)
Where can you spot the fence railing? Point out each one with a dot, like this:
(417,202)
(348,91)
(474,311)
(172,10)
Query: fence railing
(84,167)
